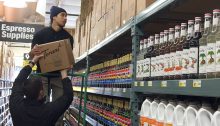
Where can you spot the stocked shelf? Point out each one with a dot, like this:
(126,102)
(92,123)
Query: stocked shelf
(88,119)
(117,92)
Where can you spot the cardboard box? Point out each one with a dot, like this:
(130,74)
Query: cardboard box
(117,14)
(57,55)
(110,5)
(124,12)
(142,4)
(88,24)
(98,9)
(112,21)
(131,8)
(104,3)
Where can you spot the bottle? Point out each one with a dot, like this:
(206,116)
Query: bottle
(194,50)
(216,30)
(179,113)
(212,46)
(152,62)
(153,112)
(146,61)
(172,53)
(190,114)
(166,55)
(179,51)
(186,45)
(169,113)
(203,46)
(161,56)
(156,55)
(161,113)
(204,115)
(216,118)
(173,50)
(145,112)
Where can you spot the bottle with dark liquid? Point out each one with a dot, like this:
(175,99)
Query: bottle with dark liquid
(168,54)
(156,55)
(165,56)
(152,60)
(179,51)
(161,57)
(146,62)
(203,46)
(194,50)
(186,47)
(174,59)
(213,47)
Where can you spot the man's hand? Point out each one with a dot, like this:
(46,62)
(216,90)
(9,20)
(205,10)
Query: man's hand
(36,58)
(35,51)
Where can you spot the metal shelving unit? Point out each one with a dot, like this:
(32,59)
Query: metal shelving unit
(161,15)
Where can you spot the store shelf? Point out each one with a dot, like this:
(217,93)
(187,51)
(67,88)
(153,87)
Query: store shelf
(116,92)
(197,87)
(88,119)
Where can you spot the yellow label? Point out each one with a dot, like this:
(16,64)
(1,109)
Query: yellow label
(163,83)
(135,84)
(168,124)
(142,83)
(149,83)
(182,83)
(197,84)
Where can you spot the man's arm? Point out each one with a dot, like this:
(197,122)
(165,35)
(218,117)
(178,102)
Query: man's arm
(17,89)
(59,106)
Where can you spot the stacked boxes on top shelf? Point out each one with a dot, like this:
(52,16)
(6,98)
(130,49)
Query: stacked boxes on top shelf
(106,17)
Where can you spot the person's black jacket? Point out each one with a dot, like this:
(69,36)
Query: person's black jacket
(26,112)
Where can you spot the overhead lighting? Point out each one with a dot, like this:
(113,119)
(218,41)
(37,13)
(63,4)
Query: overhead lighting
(15,3)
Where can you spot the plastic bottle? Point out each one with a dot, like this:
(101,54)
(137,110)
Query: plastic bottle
(153,112)
(179,113)
(216,118)
(190,114)
(161,113)
(169,113)
(204,115)
(145,113)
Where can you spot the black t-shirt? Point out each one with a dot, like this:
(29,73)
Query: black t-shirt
(47,35)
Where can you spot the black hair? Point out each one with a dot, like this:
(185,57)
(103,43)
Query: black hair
(32,87)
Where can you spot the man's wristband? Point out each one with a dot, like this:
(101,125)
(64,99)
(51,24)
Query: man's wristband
(31,62)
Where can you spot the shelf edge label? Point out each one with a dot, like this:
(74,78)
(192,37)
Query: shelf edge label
(197,84)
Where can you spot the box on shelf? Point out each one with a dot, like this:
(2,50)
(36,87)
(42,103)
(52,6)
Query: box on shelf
(110,5)
(131,8)
(142,4)
(57,55)
(124,11)
(104,6)
(117,13)
(110,22)
(98,9)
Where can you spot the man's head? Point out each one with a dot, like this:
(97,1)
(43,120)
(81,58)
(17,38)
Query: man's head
(33,88)
(58,16)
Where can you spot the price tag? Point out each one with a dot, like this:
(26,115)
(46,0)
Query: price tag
(149,83)
(117,89)
(163,83)
(142,83)
(197,84)
(124,89)
(135,84)
(182,83)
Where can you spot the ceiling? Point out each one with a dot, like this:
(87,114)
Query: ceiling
(71,6)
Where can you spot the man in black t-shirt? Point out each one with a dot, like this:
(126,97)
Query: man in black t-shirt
(55,32)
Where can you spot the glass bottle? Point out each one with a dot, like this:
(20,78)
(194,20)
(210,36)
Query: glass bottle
(165,55)
(203,46)
(146,62)
(156,55)
(194,50)
(179,51)
(168,54)
(186,46)
(152,60)
(174,59)
(216,30)
(161,57)
(211,46)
